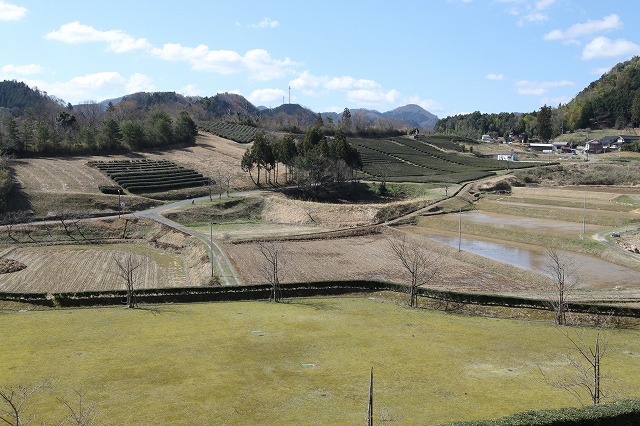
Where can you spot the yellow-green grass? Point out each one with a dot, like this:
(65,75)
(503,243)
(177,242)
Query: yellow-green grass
(302,362)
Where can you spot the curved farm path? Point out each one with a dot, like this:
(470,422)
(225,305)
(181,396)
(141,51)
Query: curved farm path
(601,237)
(221,259)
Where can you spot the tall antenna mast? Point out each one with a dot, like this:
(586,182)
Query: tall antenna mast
(289,94)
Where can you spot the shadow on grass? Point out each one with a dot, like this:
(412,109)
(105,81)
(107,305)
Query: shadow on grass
(310,303)
(156,309)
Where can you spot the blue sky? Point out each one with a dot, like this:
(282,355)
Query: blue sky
(448,56)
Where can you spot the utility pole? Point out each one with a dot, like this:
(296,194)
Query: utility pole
(370,407)
(460,231)
(211,245)
(584,216)
(119,203)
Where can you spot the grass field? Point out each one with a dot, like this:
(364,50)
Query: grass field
(302,362)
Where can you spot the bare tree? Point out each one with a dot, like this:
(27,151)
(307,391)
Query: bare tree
(127,267)
(563,273)
(11,220)
(226,175)
(272,264)
(421,266)
(14,402)
(82,414)
(586,376)
(223,181)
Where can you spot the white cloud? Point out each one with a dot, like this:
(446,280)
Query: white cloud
(570,35)
(307,83)
(11,12)
(266,96)
(359,92)
(139,83)
(557,100)
(257,63)
(97,86)
(373,97)
(118,41)
(14,70)
(494,77)
(190,90)
(529,11)
(266,23)
(525,87)
(602,47)
(600,71)
(430,105)
(350,83)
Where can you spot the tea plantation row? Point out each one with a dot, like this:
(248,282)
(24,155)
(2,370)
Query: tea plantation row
(149,175)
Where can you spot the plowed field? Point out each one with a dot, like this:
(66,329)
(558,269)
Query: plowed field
(79,268)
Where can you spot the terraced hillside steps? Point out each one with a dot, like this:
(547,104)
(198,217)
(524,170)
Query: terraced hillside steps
(139,176)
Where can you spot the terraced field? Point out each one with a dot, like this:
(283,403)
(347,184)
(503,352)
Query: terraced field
(232,131)
(149,175)
(411,160)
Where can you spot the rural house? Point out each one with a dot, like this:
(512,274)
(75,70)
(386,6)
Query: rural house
(593,147)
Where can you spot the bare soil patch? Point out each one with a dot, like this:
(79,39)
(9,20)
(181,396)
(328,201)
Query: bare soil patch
(208,156)
(59,175)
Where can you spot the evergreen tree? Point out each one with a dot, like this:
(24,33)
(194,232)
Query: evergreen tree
(545,129)
(111,135)
(185,128)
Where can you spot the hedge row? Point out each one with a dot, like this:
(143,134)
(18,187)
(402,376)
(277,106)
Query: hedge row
(318,288)
(621,413)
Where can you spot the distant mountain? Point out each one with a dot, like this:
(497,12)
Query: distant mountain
(17,97)
(303,115)
(410,115)
(413,115)
(229,104)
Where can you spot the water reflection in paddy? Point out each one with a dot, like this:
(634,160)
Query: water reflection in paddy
(594,272)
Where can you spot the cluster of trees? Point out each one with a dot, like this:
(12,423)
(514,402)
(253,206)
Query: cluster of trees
(315,160)
(544,124)
(46,126)
(6,182)
(613,101)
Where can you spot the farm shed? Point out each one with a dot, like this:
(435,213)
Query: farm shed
(562,146)
(541,147)
(507,157)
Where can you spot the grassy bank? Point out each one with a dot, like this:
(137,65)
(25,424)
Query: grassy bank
(293,363)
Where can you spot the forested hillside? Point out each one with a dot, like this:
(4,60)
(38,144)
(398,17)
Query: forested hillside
(16,97)
(32,123)
(613,101)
